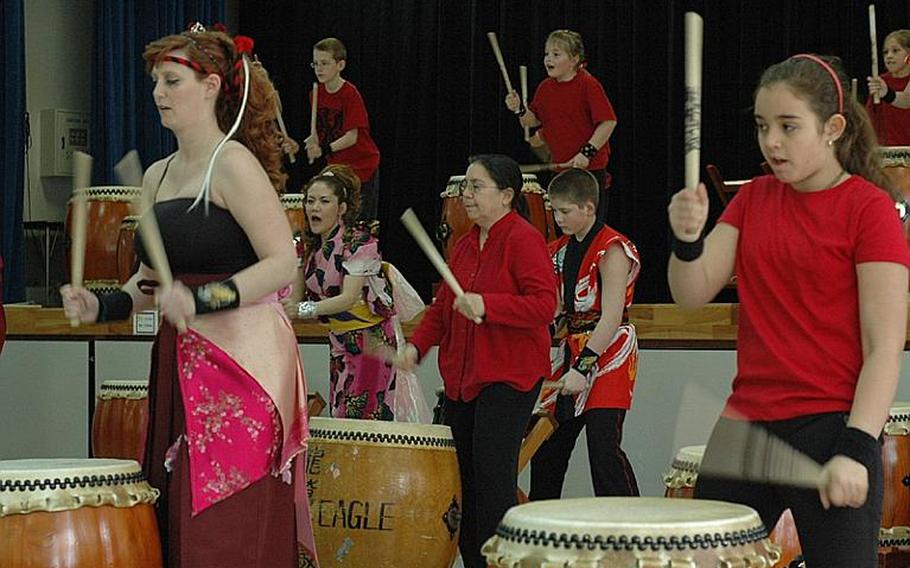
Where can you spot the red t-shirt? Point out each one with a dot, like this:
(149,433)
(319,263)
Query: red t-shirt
(514,275)
(892,124)
(799,347)
(569,113)
(339,112)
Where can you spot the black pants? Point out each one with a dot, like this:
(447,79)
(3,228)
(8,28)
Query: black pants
(488,432)
(611,472)
(840,537)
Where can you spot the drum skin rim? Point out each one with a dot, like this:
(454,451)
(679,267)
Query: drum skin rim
(695,536)
(894,156)
(529,184)
(898,423)
(293,200)
(32,485)
(404,434)
(109,193)
(123,389)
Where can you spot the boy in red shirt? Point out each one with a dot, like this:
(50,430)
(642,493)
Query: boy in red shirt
(342,123)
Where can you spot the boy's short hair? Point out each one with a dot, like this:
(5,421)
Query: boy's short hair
(334,46)
(576,186)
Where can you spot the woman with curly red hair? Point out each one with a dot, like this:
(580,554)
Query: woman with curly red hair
(226,396)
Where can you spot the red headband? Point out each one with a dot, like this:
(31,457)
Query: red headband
(830,70)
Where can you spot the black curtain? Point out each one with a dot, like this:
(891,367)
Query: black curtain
(124,116)
(12,147)
(435,96)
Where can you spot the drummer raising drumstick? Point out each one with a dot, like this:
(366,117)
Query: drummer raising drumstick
(891,116)
(573,109)
(821,265)
(494,346)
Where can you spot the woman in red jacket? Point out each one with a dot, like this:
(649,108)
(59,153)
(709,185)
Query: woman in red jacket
(494,346)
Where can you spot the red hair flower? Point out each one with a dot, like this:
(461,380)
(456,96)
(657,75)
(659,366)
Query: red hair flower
(219,27)
(243,44)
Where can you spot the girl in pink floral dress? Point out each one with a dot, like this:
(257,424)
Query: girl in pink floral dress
(343,282)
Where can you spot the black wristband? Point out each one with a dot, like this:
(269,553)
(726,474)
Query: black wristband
(889,96)
(686,251)
(116,306)
(326,148)
(522,110)
(216,296)
(857,445)
(586,359)
(588,150)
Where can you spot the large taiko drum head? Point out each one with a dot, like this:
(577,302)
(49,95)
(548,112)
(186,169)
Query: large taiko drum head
(77,513)
(630,531)
(383,494)
(896,467)
(455,222)
(120,420)
(107,207)
(680,481)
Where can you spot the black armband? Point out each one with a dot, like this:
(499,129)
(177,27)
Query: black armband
(686,251)
(216,296)
(857,445)
(326,148)
(889,96)
(586,359)
(116,306)
(588,150)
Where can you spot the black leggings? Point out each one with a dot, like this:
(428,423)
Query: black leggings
(488,432)
(840,537)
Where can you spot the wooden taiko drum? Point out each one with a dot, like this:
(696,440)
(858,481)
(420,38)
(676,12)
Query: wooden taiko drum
(77,513)
(107,207)
(294,208)
(383,494)
(120,420)
(455,222)
(630,532)
(896,166)
(896,467)
(127,260)
(680,482)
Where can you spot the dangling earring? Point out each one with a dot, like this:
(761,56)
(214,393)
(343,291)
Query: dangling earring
(830,142)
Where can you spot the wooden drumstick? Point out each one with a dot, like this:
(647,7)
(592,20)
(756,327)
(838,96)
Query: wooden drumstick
(494,43)
(874,41)
(82,175)
(129,172)
(552,166)
(523,81)
(853,88)
(315,99)
(281,127)
(412,224)
(692,137)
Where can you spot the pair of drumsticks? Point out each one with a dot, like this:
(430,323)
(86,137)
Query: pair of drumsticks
(129,173)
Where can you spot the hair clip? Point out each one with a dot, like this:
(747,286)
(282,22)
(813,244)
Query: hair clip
(329,173)
(197,28)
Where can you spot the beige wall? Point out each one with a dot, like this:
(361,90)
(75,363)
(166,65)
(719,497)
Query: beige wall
(58,48)
(58,43)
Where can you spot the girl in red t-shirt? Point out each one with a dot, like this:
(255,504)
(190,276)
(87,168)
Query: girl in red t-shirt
(572,107)
(892,122)
(821,264)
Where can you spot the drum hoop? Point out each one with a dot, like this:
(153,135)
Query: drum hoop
(293,201)
(102,286)
(76,482)
(894,536)
(380,438)
(898,423)
(619,543)
(123,389)
(894,156)
(119,193)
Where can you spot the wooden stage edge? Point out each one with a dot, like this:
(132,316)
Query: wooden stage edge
(659,326)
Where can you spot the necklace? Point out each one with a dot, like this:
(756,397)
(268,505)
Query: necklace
(834,181)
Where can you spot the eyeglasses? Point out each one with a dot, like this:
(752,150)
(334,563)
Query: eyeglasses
(473,187)
(320,64)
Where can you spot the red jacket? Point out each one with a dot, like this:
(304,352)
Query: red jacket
(515,276)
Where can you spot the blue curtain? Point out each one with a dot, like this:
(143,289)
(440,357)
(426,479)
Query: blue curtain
(12,147)
(123,113)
